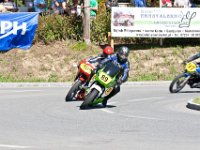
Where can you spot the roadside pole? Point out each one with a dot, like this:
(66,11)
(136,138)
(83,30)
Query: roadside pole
(86,22)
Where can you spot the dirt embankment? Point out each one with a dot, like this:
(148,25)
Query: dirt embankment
(56,62)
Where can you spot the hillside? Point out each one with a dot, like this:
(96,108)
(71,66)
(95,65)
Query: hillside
(56,62)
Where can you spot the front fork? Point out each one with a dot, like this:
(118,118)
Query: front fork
(186,79)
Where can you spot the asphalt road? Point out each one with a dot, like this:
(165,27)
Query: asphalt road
(140,117)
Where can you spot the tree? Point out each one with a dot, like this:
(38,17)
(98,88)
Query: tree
(86,22)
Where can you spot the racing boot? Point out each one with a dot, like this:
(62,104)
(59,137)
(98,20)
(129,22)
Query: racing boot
(104,103)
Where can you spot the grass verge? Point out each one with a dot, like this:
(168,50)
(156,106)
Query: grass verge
(197,100)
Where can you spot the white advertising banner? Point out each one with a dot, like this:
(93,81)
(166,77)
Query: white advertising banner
(155,22)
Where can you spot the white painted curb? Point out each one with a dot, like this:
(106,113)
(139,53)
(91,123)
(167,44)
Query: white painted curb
(193,105)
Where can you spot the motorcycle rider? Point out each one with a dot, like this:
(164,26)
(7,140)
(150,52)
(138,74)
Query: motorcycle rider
(196,56)
(121,57)
(108,50)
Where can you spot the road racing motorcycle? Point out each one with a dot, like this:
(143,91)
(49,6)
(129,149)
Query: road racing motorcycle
(103,84)
(191,77)
(77,91)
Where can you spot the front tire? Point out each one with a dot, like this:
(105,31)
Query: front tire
(73,91)
(89,98)
(178,83)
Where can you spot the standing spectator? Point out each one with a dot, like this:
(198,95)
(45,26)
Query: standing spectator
(182,3)
(40,6)
(59,6)
(9,5)
(140,3)
(93,8)
(75,2)
(111,3)
(153,3)
(166,3)
(29,5)
(2,8)
(73,8)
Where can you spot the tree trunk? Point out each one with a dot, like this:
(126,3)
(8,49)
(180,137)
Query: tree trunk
(86,22)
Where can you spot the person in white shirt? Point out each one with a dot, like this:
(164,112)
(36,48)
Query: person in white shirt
(9,5)
(2,8)
(182,3)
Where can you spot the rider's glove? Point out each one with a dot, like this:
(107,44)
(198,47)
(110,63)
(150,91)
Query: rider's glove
(119,82)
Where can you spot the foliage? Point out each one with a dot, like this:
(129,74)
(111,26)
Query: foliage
(100,28)
(57,27)
(79,46)
(101,6)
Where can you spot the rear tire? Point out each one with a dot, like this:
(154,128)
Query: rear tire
(175,85)
(89,99)
(73,91)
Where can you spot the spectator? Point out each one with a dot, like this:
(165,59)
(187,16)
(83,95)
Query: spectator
(140,3)
(111,3)
(2,8)
(9,5)
(59,6)
(29,5)
(153,3)
(40,6)
(75,2)
(182,3)
(93,8)
(73,8)
(166,3)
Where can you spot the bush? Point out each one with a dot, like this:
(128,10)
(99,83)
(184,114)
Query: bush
(100,28)
(57,27)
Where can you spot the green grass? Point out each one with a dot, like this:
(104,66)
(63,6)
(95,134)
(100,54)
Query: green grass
(52,78)
(79,46)
(151,77)
(197,100)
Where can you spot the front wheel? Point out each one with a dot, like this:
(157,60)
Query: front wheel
(89,98)
(178,83)
(73,91)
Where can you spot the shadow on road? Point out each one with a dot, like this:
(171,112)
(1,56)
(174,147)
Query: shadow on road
(98,107)
(189,92)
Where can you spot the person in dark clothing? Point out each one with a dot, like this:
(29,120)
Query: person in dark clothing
(111,3)
(194,57)
(121,57)
(108,50)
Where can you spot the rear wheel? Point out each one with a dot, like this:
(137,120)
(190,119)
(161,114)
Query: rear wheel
(73,91)
(89,99)
(178,83)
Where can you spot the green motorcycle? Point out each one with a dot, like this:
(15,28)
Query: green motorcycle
(103,85)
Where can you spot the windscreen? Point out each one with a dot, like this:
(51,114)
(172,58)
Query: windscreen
(111,69)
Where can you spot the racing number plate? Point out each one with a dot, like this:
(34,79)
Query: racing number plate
(191,67)
(105,78)
(86,68)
